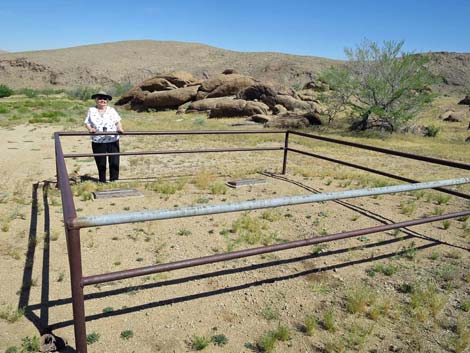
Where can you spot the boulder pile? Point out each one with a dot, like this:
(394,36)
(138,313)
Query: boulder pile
(228,94)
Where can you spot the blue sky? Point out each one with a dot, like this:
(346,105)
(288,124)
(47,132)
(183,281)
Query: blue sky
(319,28)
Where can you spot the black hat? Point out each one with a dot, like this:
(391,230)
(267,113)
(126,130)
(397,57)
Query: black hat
(102,94)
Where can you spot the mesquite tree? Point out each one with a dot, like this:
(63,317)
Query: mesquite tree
(381,86)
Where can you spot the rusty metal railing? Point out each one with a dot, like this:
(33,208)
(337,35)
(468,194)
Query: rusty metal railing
(74,224)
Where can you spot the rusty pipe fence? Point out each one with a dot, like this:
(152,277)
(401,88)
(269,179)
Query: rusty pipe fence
(73,224)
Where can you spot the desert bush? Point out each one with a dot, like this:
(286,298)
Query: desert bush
(218,188)
(431,131)
(199,342)
(28,92)
(310,325)
(30,344)
(219,340)
(5,91)
(92,338)
(120,88)
(83,93)
(11,315)
(359,298)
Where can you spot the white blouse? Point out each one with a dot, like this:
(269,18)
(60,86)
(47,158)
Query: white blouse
(105,121)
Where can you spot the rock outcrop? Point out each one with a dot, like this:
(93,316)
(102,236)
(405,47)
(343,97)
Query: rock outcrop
(229,94)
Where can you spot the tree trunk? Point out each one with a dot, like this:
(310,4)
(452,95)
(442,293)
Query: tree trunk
(361,124)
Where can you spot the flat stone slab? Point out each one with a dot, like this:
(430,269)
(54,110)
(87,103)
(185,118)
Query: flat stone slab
(108,194)
(245,182)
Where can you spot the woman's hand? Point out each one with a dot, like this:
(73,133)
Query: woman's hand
(119,128)
(91,130)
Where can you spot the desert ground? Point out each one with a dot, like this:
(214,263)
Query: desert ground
(405,290)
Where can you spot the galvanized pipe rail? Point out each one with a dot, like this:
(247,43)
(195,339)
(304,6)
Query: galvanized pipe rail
(73,224)
(202,210)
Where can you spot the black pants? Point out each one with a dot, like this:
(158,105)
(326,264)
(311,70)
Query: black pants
(111,147)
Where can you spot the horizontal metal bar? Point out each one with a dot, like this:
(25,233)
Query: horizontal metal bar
(78,155)
(150,215)
(379,172)
(118,275)
(175,132)
(387,151)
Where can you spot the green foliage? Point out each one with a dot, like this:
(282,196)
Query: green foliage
(358,299)
(166,187)
(382,86)
(329,321)
(408,207)
(5,91)
(28,92)
(83,93)
(218,188)
(387,270)
(282,333)
(30,344)
(465,306)
(12,350)
(269,313)
(431,131)
(266,343)
(198,343)
(184,232)
(8,313)
(92,338)
(108,309)
(219,340)
(127,334)
(120,88)
(310,325)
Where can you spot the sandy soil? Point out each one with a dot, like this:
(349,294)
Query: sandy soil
(165,311)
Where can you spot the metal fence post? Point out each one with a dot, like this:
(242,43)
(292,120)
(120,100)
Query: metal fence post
(78,300)
(286,146)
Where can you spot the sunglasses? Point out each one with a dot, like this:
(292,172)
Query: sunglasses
(101,98)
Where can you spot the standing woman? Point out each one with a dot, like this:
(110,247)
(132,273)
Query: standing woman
(103,118)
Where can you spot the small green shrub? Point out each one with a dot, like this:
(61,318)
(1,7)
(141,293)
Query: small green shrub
(184,232)
(329,321)
(12,350)
(218,188)
(310,325)
(446,224)
(219,340)
(431,131)
(270,313)
(120,88)
(271,215)
(8,313)
(198,343)
(282,333)
(266,343)
(30,344)
(408,208)
(127,334)
(28,92)
(358,299)
(465,306)
(82,93)
(5,91)
(92,338)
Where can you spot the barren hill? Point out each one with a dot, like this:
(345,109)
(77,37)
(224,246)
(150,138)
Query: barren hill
(132,61)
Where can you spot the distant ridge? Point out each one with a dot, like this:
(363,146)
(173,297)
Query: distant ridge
(132,61)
